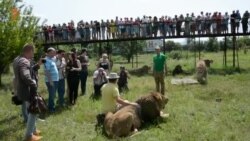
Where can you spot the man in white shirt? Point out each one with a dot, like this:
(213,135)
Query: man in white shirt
(202,22)
(144,26)
(99,78)
(225,19)
(61,64)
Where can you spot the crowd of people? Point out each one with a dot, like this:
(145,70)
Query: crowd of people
(73,67)
(148,26)
(59,67)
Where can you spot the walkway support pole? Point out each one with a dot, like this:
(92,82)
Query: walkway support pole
(225,52)
(199,48)
(234,48)
(164,46)
(194,53)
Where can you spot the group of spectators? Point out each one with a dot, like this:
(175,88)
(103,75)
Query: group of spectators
(147,26)
(59,67)
(73,67)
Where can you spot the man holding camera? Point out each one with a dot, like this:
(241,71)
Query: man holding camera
(100,78)
(26,85)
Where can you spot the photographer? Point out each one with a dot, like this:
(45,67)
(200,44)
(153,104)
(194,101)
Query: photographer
(34,75)
(25,86)
(99,78)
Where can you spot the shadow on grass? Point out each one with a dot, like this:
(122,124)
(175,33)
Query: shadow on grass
(58,110)
(228,71)
(6,87)
(94,97)
(156,123)
(10,127)
(145,126)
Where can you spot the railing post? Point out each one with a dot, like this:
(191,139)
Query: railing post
(225,52)
(194,53)
(199,48)
(234,48)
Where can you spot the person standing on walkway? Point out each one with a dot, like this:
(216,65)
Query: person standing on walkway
(26,85)
(244,22)
(159,70)
(84,72)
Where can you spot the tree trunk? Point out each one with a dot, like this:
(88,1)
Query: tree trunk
(129,59)
(0,79)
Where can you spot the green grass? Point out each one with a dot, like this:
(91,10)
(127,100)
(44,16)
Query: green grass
(195,114)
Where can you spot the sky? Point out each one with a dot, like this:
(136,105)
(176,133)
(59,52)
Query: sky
(60,11)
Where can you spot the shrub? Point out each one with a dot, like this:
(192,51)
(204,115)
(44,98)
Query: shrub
(175,55)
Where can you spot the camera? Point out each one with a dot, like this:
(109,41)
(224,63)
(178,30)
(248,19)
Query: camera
(15,100)
(43,61)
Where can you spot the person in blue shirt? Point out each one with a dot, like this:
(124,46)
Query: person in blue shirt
(51,77)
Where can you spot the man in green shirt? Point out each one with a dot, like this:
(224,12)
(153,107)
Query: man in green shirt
(159,69)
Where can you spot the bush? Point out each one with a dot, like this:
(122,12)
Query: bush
(175,55)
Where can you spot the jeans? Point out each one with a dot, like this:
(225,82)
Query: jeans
(83,77)
(31,123)
(61,91)
(52,93)
(24,112)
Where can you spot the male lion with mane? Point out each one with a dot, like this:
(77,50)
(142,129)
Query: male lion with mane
(152,106)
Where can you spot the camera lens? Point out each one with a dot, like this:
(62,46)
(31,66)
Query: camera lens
(43,61)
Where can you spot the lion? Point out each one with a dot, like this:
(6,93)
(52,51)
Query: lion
(201,72)
(152,106)
(208,62)
(124,122)
(140,71)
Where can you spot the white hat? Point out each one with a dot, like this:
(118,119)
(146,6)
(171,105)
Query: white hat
(50,49)
(157,47)
(113,75)
(104,55)
(100,69)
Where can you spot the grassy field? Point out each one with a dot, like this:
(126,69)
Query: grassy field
(219,111)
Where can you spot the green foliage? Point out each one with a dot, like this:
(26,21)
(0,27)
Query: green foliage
(176,55)
(171,45)
(14,31)
(129,48)
(212,45)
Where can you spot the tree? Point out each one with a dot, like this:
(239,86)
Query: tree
(17,27)
(130,48)
(212,45)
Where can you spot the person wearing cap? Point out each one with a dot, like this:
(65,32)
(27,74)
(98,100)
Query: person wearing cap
(104,63)
(99,78)
(159,70)
(51,77)
(84,72)
(111,99)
